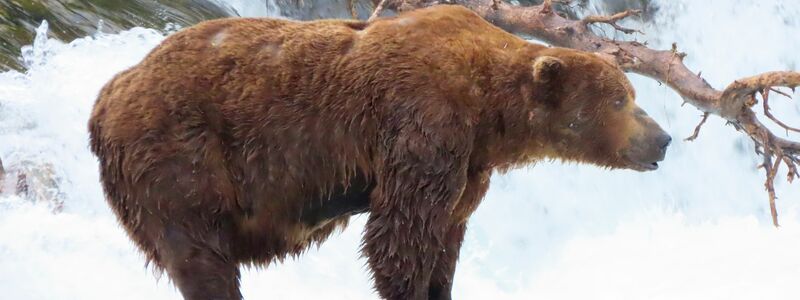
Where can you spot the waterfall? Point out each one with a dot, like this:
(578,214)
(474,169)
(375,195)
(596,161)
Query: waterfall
(698,228)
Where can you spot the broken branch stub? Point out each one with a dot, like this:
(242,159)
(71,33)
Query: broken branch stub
(377,11)
(612,20)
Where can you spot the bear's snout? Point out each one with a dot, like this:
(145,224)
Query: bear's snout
(649,147)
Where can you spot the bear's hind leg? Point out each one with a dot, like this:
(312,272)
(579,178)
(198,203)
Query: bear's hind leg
(202,268)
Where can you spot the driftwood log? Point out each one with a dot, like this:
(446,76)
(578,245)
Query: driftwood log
(736,103)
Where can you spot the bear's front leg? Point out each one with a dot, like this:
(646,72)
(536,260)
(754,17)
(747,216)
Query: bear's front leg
(418,186)
(443,274)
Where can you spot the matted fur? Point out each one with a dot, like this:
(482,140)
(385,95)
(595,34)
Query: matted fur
(216,147)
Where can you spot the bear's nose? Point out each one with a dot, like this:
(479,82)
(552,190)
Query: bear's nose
(664,140)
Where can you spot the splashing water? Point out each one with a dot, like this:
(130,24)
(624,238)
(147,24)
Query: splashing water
(698,228)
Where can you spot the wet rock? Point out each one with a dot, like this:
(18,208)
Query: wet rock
(71,19)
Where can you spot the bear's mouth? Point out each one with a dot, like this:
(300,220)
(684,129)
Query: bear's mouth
(651,166)
(644,160)
(639,166)
(642,166)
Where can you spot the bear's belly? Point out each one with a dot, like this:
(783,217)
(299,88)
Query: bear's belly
(263,236)
(322,216)
(342,202)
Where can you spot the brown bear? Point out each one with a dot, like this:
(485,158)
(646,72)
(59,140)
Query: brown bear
(242,141)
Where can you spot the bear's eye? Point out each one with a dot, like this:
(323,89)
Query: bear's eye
(619,104)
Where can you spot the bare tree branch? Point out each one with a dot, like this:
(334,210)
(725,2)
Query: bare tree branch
(734,104)
(377,11)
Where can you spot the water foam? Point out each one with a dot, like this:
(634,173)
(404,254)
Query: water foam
(698,228)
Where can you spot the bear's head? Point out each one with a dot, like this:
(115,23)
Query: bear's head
(584,111)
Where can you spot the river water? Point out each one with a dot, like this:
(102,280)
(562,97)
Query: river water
(698,228)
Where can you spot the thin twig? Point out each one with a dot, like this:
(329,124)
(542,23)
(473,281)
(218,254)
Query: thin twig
(790,164)
(352,6)
(612,20)
(496,4)
(697,129)
(765,102)
(770,186)
(781,92)
(377,11)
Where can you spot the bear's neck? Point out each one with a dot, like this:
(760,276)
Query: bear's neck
(511,131)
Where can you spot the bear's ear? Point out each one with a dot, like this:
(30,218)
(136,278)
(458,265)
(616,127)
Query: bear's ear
(546,68)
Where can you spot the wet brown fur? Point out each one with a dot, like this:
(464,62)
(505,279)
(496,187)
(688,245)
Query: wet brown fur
(214,148)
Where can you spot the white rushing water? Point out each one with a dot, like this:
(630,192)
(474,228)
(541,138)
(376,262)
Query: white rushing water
(698,228)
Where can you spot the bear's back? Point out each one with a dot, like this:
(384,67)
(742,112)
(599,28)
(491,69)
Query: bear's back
(242,67)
